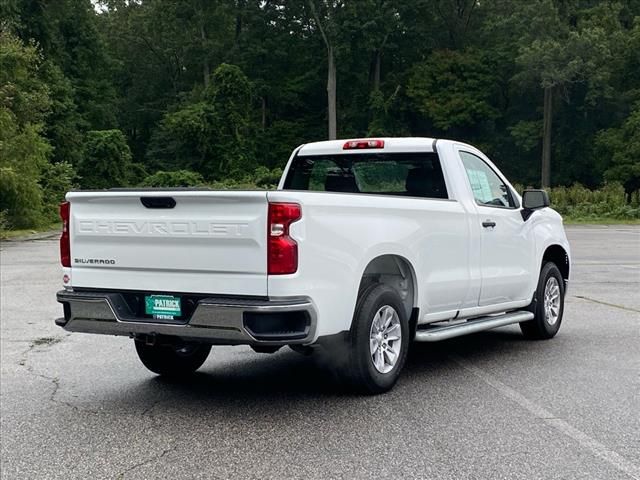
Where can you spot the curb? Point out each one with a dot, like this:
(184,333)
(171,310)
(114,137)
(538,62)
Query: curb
(34,236)
(603,226)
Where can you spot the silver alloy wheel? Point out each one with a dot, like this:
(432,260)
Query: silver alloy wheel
(552,301)
(385,339)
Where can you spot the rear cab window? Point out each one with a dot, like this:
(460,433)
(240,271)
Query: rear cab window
(401,174)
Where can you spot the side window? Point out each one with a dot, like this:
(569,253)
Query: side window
(486,186)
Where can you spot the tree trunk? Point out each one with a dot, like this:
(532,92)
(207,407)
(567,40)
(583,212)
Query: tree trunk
(376,70)
(206,69)
(331,73)
(238,32)
(545,180)
(331,93)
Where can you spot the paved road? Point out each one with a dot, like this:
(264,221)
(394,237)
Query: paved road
(487,406)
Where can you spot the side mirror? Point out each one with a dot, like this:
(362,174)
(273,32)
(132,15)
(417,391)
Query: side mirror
(533,200)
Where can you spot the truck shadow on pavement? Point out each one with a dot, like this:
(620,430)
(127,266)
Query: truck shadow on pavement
(285,379)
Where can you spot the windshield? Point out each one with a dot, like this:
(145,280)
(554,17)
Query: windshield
(404,174)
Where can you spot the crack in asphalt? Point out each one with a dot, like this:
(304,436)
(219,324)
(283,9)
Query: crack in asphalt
(55,381)
(621,307)
(41,344)
(144,463)
(148,411)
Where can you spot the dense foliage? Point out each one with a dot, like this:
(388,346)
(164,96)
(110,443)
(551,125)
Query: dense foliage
(105,93)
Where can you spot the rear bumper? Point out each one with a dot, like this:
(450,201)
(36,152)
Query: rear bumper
(214,320)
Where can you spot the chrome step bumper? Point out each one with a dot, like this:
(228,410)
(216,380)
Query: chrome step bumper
(438,333)
(214,320)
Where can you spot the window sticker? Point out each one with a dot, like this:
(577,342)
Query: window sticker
(480,185)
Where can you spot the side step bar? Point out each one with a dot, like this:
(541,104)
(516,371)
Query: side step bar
(436,334)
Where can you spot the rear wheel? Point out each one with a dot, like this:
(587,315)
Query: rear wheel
(172,360)
(548,306)
(378,342)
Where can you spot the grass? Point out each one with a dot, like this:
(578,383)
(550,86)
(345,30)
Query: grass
(600,221)
(13,234)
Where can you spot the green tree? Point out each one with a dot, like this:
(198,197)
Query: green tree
(275,49)
(383,119)
(180,41)
(467,69)
(23,155)
(555,54)
(56,180)
(64,125)
(621,147)
(212,133)
(230,96)
(454,89)
(107,161)
(24,103)
(67,32)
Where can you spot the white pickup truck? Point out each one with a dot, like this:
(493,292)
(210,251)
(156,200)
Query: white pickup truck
(365,246)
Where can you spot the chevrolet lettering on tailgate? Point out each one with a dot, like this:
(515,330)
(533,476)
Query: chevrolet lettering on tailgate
(100,227)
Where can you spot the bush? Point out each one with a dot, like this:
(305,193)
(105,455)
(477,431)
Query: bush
(230,184)
(607,203)
(4,221)
(107,160)
(57,180)
(23,155)
(261,179)
(265,178)
(20,198)
(579,203)
(177,178)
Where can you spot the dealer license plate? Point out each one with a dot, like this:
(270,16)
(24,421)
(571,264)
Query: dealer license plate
(165,307)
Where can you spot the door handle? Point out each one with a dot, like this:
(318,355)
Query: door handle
(488,223)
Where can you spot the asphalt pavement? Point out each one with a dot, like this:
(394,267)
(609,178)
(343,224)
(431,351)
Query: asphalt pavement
(491,405)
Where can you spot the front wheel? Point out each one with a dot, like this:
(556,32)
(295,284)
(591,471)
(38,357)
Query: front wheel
(172,360)
(548,306)
(378,342)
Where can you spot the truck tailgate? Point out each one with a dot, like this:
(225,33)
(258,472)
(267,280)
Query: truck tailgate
(209,242)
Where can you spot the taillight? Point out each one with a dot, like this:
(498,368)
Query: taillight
(282,250)
(360,144)
(65,244)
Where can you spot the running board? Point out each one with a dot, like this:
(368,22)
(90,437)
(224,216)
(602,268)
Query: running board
(436,334)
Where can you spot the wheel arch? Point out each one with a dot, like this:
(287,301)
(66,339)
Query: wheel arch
(557,254)
(397,272)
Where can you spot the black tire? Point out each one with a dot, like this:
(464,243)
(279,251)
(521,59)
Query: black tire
(543,325)
(172,360)
(360,371)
